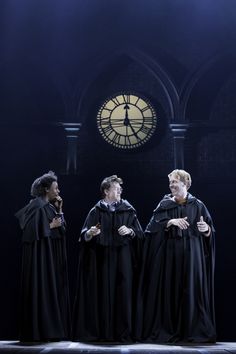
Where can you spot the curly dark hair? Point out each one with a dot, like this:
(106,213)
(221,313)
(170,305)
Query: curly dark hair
(106,183)
(42,183)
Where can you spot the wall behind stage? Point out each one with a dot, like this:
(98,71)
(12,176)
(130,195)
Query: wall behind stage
(60,60)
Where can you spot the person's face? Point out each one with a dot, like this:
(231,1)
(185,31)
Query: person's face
(178,189)
(113,194)
(53,191)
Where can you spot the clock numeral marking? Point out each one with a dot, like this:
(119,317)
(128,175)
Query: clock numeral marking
(127,140)
(145,129)
(107,109)
(148,120)
(136,136)
(115,101)
(138,98)
(105,121)
(107,130)
(116,138)
(126,98)
(144,109)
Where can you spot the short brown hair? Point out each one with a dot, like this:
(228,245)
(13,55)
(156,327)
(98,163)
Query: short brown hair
(106,183)
(183,176)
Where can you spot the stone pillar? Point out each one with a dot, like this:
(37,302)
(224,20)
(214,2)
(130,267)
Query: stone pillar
(179,131)
(72,130)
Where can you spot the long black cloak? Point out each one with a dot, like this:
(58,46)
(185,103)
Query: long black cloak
(44,305)
(176,292)
(107,274)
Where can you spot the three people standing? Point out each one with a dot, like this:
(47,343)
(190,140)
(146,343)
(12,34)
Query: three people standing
(160,289)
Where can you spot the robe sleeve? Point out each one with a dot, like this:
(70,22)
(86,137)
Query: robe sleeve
(92,219)
(134,224)
(209,242)
(158,221)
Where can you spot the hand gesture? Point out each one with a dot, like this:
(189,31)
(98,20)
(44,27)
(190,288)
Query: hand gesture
(94,230)
(202,225)
(58,203)
(124,230)
(56,222)
(182,223)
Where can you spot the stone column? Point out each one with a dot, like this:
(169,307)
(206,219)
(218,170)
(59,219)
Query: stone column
(72,130)
(178,131)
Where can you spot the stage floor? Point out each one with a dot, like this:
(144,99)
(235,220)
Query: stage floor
(75,347)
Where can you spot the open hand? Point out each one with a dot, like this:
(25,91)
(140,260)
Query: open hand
(124,230)
(182,223)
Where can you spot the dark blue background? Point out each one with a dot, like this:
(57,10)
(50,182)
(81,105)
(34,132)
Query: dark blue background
(60,59)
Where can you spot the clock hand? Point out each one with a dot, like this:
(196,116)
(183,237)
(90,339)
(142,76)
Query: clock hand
(134,132)
(126,120)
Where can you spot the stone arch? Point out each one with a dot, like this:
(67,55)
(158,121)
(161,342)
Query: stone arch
(102,65)
(209,77)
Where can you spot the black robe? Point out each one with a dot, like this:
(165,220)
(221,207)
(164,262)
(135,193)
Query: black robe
(44,305)
(176,292)
(107,274)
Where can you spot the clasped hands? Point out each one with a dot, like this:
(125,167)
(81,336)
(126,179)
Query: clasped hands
(95,230)
(183,224)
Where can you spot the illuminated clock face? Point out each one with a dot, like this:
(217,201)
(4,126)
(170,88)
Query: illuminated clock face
(126,121)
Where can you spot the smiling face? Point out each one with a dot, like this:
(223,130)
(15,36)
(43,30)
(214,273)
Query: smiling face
(178,188)
(113,194)
(53,192)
